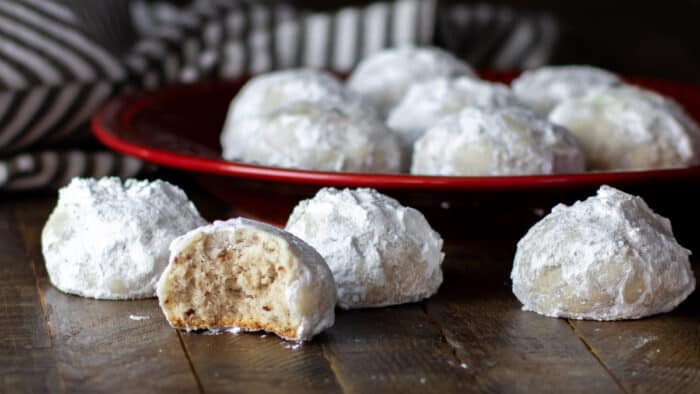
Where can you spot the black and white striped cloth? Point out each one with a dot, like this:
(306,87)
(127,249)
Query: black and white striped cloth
(61,59)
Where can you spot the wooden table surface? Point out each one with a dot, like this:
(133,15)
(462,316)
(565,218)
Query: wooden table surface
(471,337)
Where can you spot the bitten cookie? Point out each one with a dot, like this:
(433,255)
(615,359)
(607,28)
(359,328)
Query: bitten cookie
(247,275)
(109,240)
(609,257)
(380,252)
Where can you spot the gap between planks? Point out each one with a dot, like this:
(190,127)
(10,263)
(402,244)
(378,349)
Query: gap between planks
(595,354)
(443,335)
(24,233)
(334,368)
(200,387)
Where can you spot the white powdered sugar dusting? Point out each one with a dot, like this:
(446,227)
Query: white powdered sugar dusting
(267,92)
(609,257)
(139,317)
(543,88)
(109,240)
(428,102)
(385,77)
(380,252)
(625,127)
(496,141)
(315,136)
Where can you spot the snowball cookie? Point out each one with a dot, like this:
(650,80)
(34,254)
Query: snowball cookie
(317,137)
(428,102)
(384,77)
(545,87)
(109,240)
(267,92)
(624,128)
(380,252)
(247,275)
(609,257)
(495,141)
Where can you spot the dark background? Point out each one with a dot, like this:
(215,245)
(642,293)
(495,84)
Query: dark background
(654,39)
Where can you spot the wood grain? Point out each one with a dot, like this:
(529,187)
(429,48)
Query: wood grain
(26,355)
(505,348)
(255,362)
(394,349)
(660,354)
(97,346)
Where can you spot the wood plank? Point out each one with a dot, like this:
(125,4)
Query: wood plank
(660,354)
(393,350)
(254,362)
(97,346)
(503,347)
(26,358)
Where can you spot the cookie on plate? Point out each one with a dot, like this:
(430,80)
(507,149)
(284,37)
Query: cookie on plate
(385,76)
(493,142)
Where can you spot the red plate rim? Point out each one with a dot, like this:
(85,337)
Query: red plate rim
(114,118)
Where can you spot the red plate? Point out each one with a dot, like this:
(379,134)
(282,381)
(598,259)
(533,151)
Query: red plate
(179,127)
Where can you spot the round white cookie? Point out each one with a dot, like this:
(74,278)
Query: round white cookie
(267,92)
(250,276)
(380,252)
(545,87)
(384,77)
(428,102)
(317,137)
(626,128)
(110,240)
(609,257)
(495,141)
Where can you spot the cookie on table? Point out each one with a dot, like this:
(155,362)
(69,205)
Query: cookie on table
(493,142)
(385,76)
(629,128)
(609,257)
(247,275)
(314,136)
(109,240)
(545,87)
(380,252)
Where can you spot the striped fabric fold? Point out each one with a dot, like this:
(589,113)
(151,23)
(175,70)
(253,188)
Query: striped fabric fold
(51,169)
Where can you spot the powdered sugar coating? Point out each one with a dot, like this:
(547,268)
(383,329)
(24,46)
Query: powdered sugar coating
(428,102)
(625,127)
(609,257)
(384,77)
(380,252)
(109,240)
(545,87)
(314,136)
(310,293)
(495,141)
(267,92)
